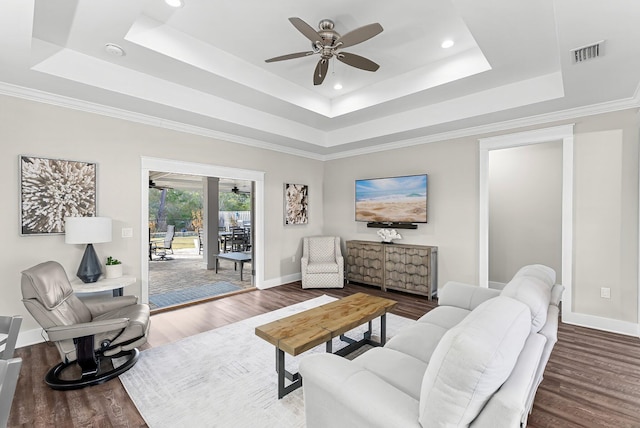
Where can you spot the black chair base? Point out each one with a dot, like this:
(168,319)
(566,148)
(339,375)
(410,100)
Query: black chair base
(53,377)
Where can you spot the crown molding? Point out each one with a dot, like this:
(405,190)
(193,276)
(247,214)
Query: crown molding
(543,119)
(95,108)
(116,113)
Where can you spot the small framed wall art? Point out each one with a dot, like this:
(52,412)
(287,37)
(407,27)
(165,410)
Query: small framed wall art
(52,189)
(296,204)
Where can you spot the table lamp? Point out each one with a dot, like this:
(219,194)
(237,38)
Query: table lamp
(88,230)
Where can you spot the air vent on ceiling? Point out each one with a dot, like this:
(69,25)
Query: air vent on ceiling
(586,53)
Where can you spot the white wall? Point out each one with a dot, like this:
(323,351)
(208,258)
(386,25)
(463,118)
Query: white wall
(606,219)
(30,128)
(452,209)
(601,236)
(117,146)
(525,209)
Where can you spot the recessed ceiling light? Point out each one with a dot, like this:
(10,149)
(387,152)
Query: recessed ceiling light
(114,49)
(447,44)
(174,3)
(337,86)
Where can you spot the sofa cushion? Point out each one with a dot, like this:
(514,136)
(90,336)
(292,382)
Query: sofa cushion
(444,316)
(534,293)
(418,340)
(322,249)
(464,296)
(472,361)
(542,272)
(322,267)
(400,370)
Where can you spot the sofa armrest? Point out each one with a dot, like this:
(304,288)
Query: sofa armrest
(341,393)
(464,296)
(508,407)
(556,294)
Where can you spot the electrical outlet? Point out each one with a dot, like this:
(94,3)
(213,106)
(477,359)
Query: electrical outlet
(127,232)
(605,292)
(293,259)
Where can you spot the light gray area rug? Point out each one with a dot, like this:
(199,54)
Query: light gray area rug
(225,377)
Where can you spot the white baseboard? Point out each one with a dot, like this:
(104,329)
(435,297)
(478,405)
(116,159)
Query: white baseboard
(600,323)
(274,282)
(30,337)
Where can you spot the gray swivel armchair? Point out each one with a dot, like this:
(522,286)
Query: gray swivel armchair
(322,264)
(86,333)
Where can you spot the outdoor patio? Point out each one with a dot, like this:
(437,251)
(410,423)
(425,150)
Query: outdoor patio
(182,278)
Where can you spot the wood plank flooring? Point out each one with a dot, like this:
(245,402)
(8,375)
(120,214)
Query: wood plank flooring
(592,379)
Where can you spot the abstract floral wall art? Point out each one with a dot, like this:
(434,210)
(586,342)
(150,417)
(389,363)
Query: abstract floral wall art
(296,203)
(52,189)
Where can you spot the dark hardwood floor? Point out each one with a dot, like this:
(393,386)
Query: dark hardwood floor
(592,379)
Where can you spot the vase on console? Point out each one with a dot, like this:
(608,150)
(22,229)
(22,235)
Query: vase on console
(388,235)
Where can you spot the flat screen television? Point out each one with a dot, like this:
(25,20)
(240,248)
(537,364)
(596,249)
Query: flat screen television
(392,199)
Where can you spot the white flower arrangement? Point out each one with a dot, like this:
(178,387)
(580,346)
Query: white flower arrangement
(388,235)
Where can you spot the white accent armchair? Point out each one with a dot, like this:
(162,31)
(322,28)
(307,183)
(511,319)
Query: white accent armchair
(322,263)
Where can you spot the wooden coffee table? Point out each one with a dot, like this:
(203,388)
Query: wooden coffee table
(298,333)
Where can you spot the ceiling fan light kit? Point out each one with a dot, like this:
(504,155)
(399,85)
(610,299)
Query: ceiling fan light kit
(329,44)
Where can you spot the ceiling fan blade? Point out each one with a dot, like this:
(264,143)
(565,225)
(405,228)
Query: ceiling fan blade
(289,56)
(306,29)
(359,35)
(321,71)
(357,61)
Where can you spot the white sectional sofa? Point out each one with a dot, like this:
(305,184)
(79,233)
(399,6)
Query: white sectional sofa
(475,360)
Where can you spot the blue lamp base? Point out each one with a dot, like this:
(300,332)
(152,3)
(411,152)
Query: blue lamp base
(90,268)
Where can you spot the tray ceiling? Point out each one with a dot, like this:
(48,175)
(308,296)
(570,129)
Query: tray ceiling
(201,68)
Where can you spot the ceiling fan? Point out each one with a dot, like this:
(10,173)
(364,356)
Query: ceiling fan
(153,185)
(238,191)
(328,43)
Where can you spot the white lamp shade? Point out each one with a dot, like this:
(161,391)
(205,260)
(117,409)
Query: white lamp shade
(87,230)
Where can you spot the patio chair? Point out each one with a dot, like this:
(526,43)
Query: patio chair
(161,249)
(238,239)
(87,334)
(200,241)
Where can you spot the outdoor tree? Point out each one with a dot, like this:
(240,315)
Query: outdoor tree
(234,202)
(173,206)
(183,208)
